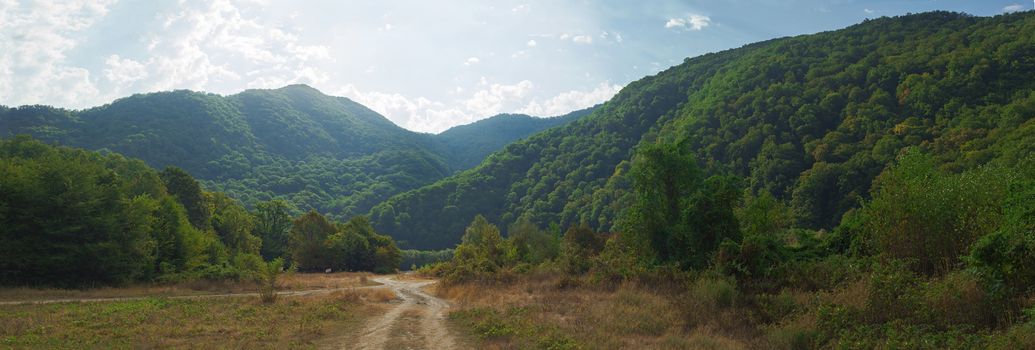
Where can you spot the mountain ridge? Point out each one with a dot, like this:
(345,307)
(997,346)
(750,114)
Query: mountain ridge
(811,119)
(318,151)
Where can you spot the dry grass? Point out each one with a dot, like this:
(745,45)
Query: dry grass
(291,282)
(297,322)
(369,295)
(557,312)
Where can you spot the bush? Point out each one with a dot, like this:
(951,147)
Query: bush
(928,218)
(580,244)
(706,300)
(1005,257)
(893,293)
(959,299)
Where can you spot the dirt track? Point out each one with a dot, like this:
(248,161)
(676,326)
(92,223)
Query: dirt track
(417,322)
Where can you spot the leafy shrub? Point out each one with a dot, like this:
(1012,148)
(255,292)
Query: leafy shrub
(893,293)
(928,218)
(706,299)
(959,298)
(1005,256)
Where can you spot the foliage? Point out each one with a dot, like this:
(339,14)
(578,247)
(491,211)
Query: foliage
(416,259)
(810,119)
(681,216)
(293,144)
(268,273)
(579,246)
(188,192)
(930,218)
(531,244)
(465,146)
(272,225)
(1005,256)
(70,217)
(307,243)
(317,244)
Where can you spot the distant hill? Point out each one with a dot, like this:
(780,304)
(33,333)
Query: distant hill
(811,119)
(316,151)
(467,145)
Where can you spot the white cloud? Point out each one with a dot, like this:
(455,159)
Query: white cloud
(690,22)
(122,71)
(36,39)
(199,45)
(1013,8)
(582,39)
(522,8)
(868,11)
(531,43)
(571,100)
(425,115)
(488,102)
(471,61)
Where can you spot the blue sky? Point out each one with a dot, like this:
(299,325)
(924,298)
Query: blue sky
(426,65)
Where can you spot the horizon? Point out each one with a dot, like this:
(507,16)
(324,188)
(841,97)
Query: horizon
(531,60)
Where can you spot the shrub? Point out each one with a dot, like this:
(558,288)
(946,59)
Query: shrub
(1005,257)
(958,299)
(579,245)
(928,218)
(893,293)
(706,299)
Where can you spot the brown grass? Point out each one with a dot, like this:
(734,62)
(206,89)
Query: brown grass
(297,322)
(291,282)
(369,295)
(531,311)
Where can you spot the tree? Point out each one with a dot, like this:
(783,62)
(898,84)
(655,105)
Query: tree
(272,225)
(188,192)
(579,245)
(531,244)
(233,224)
(930,219)
(681,217)
(357,247)
(307,241)
(762,215)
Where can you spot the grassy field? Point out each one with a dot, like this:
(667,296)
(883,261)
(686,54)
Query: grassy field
(290,282)
(160,322)
(554,312)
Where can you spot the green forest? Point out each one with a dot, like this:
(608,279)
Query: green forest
(869,187)
(811,120)
(294,143)
(75,218)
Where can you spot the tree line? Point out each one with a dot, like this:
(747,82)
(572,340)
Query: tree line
(937,256)
(70,217)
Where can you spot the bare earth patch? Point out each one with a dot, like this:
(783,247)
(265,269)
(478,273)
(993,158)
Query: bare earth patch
(415,321)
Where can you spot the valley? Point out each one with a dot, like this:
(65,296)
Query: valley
(866,187)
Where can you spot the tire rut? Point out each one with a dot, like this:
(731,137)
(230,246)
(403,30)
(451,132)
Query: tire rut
(423,327)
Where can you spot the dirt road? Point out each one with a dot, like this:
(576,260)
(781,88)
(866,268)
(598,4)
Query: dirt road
(416,322)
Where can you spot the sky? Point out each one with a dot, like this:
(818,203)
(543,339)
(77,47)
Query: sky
(425,65)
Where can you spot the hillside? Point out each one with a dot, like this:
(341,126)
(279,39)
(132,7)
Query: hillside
(316,151)
(465,146)
(810,119)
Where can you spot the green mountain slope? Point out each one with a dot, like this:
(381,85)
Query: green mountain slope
(317,151)
(465,146)
(811,119)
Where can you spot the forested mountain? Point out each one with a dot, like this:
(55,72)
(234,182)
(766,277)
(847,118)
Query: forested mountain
(811,120)
(295,143)
(467,145)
